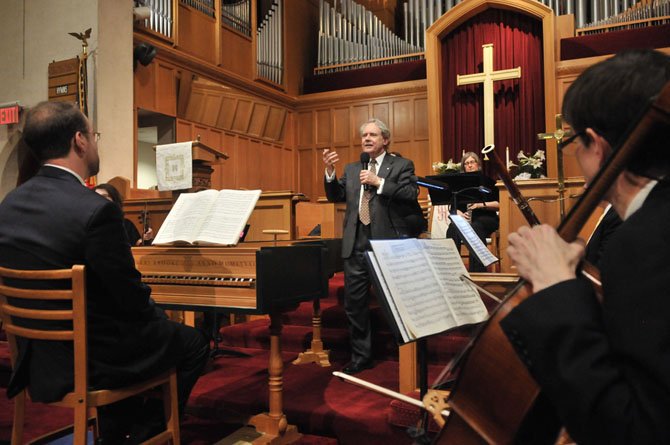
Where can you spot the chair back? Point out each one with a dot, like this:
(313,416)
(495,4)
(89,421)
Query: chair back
(27,308)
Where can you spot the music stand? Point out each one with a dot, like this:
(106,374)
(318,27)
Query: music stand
(459,189)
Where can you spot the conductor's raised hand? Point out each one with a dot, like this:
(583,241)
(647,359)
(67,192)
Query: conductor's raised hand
(542,257)
(330,158)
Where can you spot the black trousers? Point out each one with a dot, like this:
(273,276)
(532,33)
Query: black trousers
(357,297)
(118,420)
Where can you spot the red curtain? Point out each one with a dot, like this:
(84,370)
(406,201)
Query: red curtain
(519,103)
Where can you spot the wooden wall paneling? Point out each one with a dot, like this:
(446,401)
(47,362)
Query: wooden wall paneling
(144,86)
(309,173)
(242,161)
(302,18)
(272,177)
(184,131)
(340,127)
(211,108)
(274,129)
(323,127)
(381,111)
(258,119)
(196,104)
(226,114)
(403,122)
(237,52)
(254,162)
(166,89)
(196,33)
(305,130)
(359,114)
(228,170)
(242,116)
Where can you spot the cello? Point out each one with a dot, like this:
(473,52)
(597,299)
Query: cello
(483,411)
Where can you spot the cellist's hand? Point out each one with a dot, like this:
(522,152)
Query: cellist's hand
(542,257)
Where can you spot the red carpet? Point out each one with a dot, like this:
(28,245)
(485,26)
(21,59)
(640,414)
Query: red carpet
(324,408)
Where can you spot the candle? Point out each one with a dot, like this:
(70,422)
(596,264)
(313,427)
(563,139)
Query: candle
(507,158)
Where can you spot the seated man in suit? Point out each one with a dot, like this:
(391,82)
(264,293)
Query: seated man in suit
(605,366)
(53,221)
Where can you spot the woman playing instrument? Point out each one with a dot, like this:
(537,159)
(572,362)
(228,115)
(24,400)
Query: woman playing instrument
(482,215)
(605,367)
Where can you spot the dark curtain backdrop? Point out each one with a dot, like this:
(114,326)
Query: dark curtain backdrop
(519,103)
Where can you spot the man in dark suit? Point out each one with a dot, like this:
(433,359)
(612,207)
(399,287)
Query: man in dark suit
(388,209)
(605,366)
(53,221)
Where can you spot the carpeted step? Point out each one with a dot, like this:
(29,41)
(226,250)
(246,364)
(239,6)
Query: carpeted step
(313,399)
(256,334)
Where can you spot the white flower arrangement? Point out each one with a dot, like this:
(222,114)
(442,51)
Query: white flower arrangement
(449,167)
(530,166)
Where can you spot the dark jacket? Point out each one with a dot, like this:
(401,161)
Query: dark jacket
(390,212)
(606,368)
(53,222)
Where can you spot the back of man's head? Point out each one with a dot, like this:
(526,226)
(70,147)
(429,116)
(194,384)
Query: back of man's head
(610,96)
(50,127)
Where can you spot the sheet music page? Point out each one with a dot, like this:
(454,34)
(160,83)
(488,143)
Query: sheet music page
(413,285)
(471,238)
(387,295)
(185,218)
(226,219)
(464,301)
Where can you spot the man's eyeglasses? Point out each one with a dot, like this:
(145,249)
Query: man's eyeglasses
(570,139)
(97,135)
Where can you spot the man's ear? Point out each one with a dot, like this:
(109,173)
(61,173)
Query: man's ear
(598,144)
(79,144)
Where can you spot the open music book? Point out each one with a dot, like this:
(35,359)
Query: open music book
(420,282)
(470,237)
(208,217)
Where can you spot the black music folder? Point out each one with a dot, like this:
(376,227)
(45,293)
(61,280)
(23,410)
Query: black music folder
(462,188)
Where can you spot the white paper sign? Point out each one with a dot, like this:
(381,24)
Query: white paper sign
(174,166)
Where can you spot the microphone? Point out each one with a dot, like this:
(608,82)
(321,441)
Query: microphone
(365,160)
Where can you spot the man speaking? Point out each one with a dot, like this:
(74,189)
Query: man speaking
(381,196)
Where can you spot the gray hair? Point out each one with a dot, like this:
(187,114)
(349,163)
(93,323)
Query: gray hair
(386,133)
(468,155)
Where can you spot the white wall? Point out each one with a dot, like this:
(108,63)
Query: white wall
(34,33)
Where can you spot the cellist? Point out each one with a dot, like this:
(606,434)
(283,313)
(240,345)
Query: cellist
(605,367)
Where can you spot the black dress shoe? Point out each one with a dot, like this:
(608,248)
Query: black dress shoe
(356,367)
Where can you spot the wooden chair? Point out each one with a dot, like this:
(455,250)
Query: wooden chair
(84,401)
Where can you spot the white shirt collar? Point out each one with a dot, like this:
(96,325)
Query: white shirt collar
(67,170)
(639,199)
(380,158)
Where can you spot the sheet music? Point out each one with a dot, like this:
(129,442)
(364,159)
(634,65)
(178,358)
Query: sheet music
(413,286)
(184,220)
(465,303)
(227,217)
(471,238)
(393,307)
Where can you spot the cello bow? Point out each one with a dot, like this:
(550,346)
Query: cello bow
(483,411)
(587,270)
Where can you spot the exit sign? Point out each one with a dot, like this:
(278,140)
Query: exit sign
(9,114)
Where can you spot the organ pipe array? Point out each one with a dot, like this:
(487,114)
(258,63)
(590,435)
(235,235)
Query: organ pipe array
(351,37)
(645,13)
(161,17)
(237,15)
(270,45)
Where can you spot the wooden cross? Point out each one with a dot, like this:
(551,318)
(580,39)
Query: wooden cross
(487,77)
(558,134)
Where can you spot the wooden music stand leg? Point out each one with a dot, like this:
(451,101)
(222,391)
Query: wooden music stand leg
(273,425)
(316,353)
